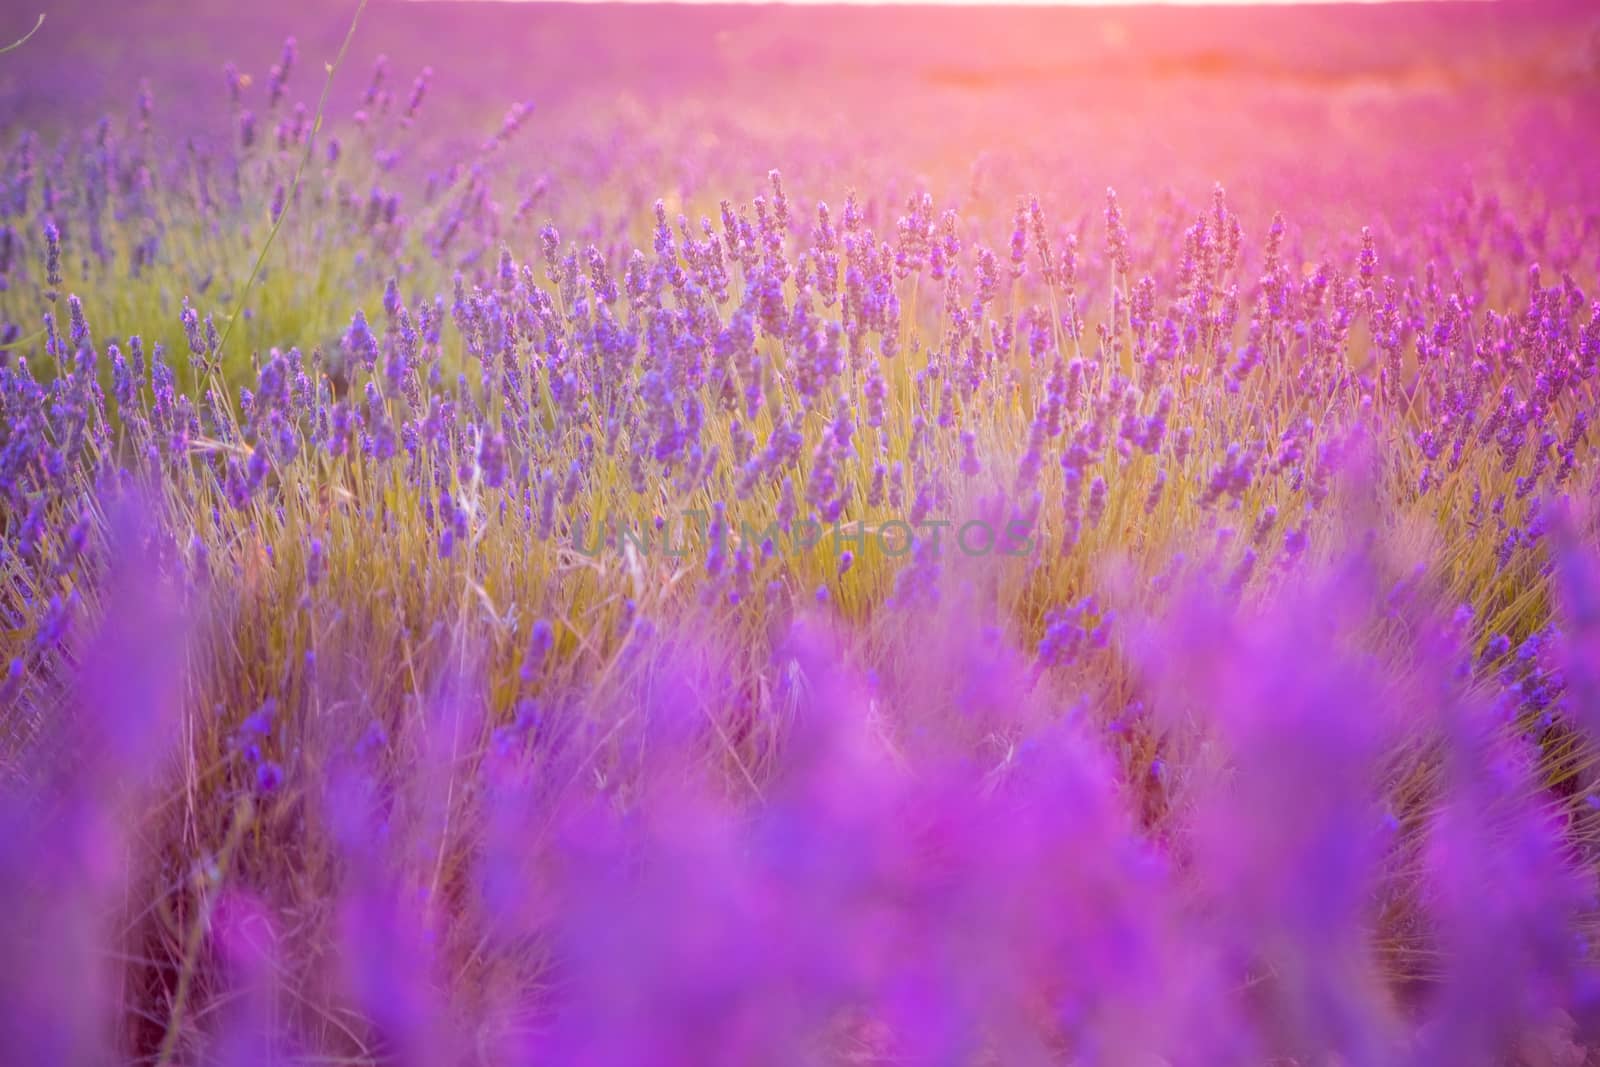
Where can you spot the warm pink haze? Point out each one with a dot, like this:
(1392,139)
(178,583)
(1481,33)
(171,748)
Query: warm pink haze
(972,3)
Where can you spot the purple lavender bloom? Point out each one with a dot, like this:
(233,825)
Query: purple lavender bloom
(278,77)
(52,241)
(314,563)
(359,344)
(541,639)
(269,777)
(492,460)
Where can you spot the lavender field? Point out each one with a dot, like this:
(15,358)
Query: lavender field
(656,535)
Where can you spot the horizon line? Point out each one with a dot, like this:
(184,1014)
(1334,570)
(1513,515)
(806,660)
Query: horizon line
(974,4)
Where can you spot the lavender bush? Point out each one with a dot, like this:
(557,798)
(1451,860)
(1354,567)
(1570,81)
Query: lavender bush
(582,601)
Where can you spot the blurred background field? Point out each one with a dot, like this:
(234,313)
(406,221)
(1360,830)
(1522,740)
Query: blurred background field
(976,100)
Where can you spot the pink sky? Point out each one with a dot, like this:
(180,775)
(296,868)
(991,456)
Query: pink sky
(992,3)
